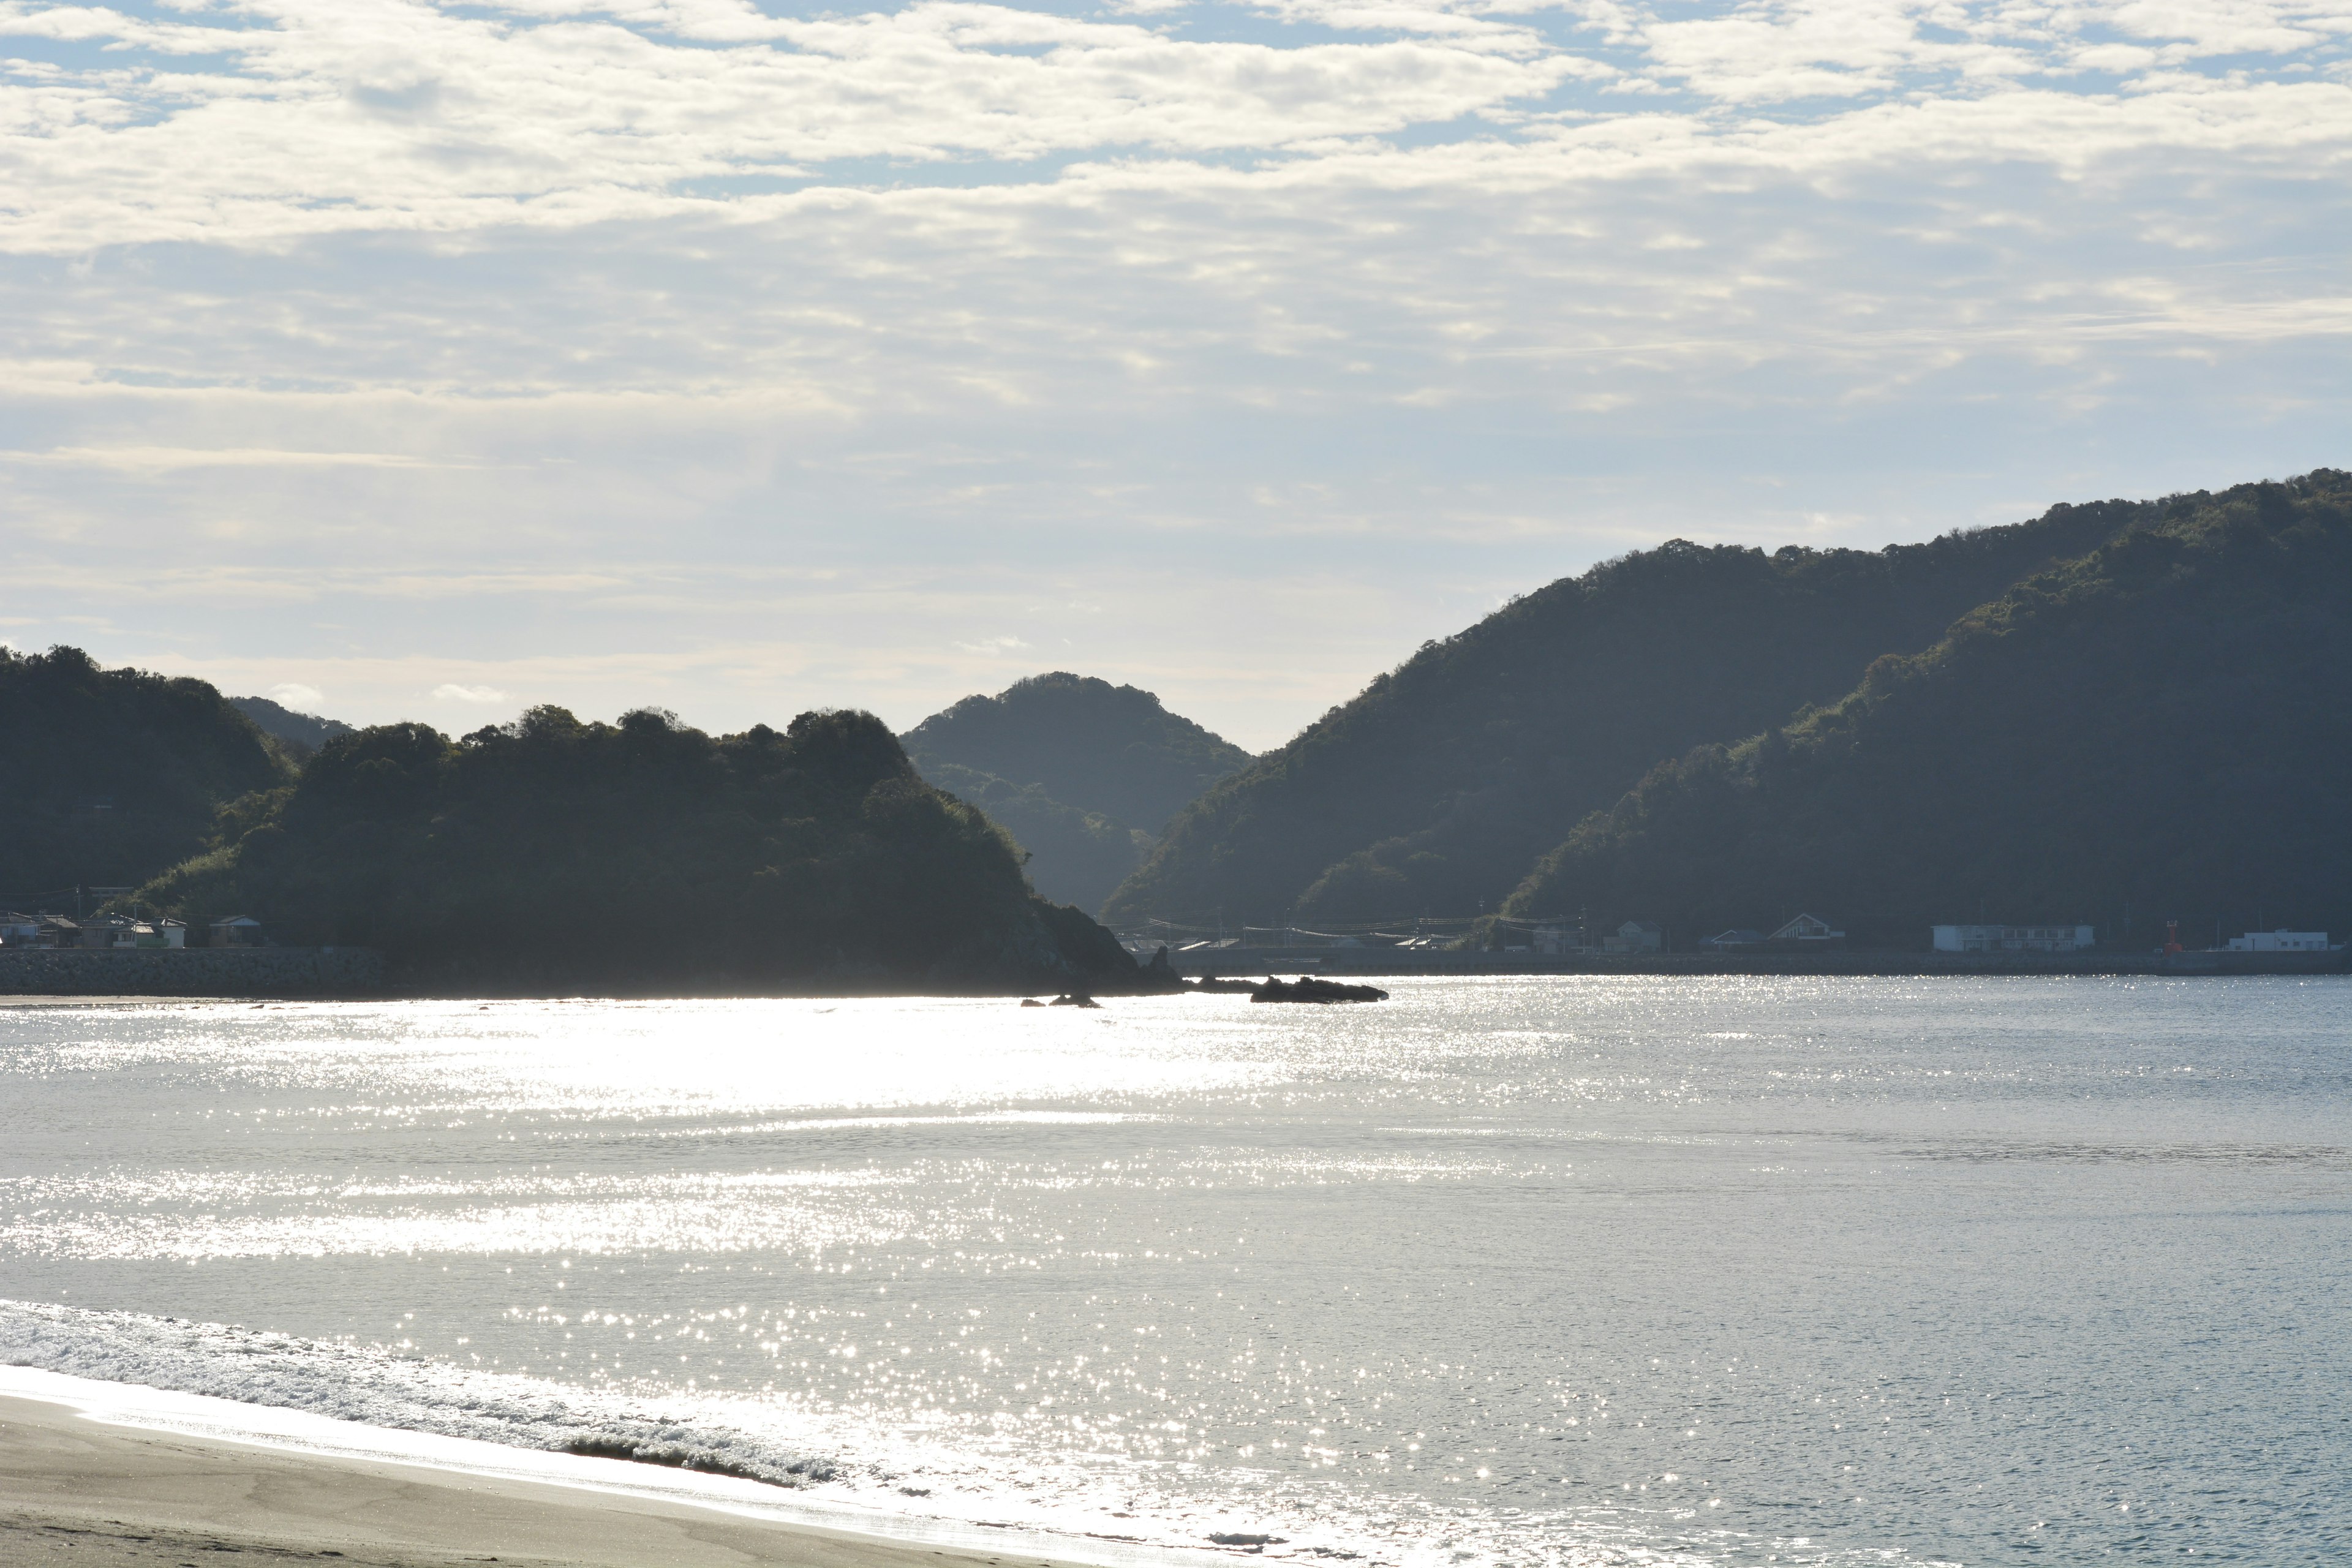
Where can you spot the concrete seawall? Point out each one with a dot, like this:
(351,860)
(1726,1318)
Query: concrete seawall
(1248,963)
(193,971)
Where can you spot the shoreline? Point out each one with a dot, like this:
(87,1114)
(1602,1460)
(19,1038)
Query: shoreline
(1844,963)
(1323,964)
(79,1490)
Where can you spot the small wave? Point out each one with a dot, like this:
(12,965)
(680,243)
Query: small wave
(351,1383)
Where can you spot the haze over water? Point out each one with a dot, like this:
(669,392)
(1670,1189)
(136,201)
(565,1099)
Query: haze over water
(1532,1272)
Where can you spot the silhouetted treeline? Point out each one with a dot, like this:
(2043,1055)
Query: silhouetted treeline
(641,857)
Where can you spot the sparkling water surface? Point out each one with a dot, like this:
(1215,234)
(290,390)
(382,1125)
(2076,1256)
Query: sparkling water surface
(1523,1272)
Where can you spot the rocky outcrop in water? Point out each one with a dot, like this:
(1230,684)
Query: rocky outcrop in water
(1308,988)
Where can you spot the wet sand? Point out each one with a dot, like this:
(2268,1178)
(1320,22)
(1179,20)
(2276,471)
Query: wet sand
(77,1493)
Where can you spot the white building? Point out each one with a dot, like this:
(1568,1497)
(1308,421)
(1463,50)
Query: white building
(1635,936)
(237,930)
(2012,939)
(1807,927)
(2280,942)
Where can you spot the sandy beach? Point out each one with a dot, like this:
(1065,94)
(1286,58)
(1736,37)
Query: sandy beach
(77,1493)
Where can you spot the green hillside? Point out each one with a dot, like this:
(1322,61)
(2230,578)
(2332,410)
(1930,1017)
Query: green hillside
(2162,728)
(642,857)
(1082,773)
(108,776)
(1435,790)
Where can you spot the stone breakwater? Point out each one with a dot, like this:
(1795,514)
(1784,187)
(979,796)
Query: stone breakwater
(193,971)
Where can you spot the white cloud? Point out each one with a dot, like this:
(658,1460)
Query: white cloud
(668,351)
(389,115)
(301,699)
(219,458)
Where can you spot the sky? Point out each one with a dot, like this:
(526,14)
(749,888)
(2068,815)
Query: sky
(414,360)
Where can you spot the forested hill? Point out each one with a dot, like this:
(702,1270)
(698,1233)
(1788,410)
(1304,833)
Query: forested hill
(642,857)
(1082,773)
(304,732)
(2163,727)
(1435,790)
(108,776)
(1088,743)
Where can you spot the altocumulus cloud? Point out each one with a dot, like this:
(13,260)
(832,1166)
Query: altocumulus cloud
(775,355)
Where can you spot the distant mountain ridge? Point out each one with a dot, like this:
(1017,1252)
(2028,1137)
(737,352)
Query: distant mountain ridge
(307,731)
(1435,790)
(1082,774)
(2160,729)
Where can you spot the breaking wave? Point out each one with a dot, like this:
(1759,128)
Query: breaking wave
(351,1383)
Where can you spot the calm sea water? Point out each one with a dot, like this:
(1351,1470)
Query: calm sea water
(1527,1272)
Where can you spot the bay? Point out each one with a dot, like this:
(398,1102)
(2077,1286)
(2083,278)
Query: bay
(1512,1271)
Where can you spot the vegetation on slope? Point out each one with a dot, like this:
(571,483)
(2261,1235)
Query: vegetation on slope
(2160,728)
(1435,790)
(641,857)
(108,776)
(305,733)
(1075,856)
(1082,773)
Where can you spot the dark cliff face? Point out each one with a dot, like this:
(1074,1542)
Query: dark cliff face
(2156,730)
(644,857)
(108,776)
(1435,790)
(1082,773)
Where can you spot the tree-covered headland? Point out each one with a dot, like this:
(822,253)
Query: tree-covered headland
(644,856)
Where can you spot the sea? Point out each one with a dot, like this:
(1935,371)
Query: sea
(1524,1272)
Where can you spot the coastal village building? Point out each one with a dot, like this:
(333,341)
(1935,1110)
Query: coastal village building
(1806,933)
(114,931)
(2012,939)
(108,931)
(1635,936)
(2280,942)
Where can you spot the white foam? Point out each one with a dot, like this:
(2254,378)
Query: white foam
(344,1382)
(229,1384)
